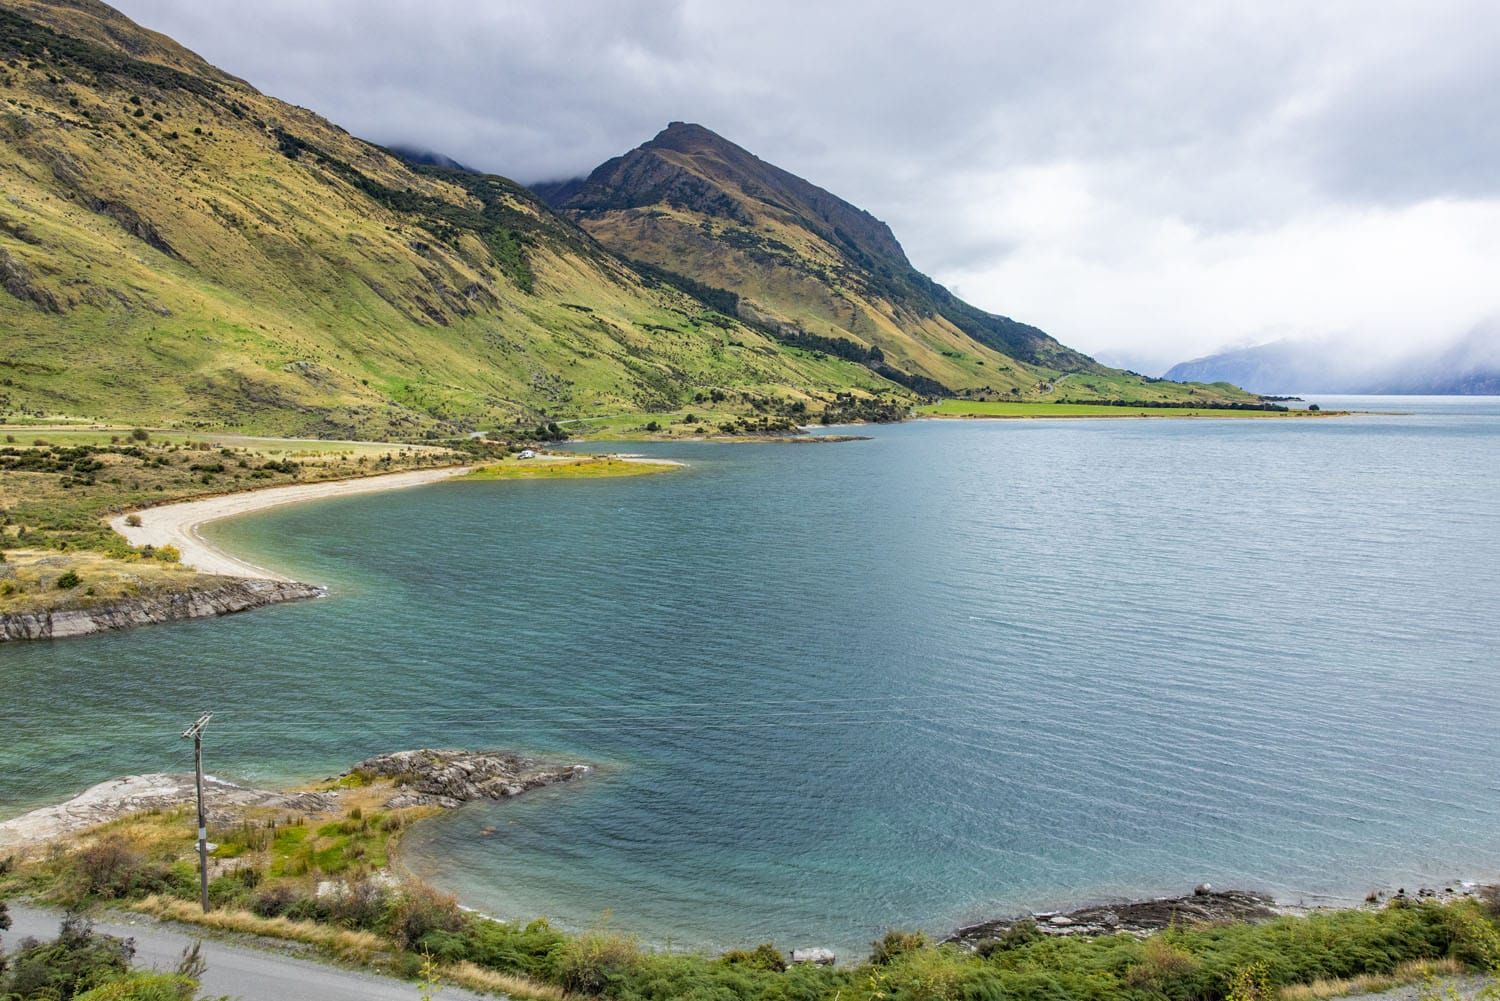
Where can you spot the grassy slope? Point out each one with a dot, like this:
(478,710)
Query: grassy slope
(238,262)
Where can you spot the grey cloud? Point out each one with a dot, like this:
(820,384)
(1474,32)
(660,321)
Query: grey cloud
(1225,117)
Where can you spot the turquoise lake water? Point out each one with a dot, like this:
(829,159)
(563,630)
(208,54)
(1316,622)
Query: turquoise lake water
(958,670)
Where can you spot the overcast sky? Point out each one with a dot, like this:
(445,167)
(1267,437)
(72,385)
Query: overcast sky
(1146,181)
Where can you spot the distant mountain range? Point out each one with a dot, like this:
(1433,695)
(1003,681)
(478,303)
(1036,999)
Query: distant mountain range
(1469,367)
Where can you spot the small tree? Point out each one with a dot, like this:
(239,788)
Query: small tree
(68,581)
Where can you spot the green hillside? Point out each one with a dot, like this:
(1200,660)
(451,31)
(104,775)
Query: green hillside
(810,268)
(178,247)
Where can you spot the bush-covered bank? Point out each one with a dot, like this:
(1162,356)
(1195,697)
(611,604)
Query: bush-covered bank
(83,965)
(316,869)
(321,883)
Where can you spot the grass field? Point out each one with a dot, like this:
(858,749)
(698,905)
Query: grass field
(1004,409)
(34,580)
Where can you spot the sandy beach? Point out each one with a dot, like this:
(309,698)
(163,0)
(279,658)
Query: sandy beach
(178,524)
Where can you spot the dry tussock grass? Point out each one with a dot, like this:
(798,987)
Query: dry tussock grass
(477,978)
(351,945)
(1406,973)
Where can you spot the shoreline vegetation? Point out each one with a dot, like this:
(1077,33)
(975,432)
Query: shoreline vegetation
(1003,409)
(317,867)
(558,467)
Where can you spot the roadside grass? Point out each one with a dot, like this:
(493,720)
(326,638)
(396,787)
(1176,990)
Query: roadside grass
(344,943)
(484,980)
(1002,408)
(554,468)
(1410,972)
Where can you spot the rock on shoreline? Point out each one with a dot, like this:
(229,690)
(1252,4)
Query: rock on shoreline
(139,793)
(423,777)
(1138,917)
(238,595)
(428,777)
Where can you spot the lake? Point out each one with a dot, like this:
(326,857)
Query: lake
(955,671)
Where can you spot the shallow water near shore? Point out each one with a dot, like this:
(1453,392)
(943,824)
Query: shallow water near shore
(958,670)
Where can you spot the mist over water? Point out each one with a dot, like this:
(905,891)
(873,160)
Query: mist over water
(961,669)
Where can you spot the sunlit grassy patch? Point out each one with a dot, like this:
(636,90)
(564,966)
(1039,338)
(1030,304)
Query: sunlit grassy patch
(1002,408)
(550,468)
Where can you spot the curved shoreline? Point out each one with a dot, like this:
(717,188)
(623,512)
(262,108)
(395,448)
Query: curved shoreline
(177,524)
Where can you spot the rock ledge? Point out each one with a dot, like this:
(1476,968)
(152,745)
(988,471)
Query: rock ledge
(427,777)
(1140,917)
(238,595)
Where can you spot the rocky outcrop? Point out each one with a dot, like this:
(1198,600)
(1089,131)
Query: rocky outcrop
(1203,906)
(238,595)
(448,779)
(16,279)
(138,793)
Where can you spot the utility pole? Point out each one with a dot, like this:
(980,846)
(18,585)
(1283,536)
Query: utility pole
(196,732)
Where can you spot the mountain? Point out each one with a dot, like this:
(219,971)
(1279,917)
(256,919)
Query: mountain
(803,264)
(177,247)
(1469,366)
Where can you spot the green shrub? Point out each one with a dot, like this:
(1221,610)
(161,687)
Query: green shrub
(529,949)
(111,870)
(1163,966)
(356,902)
(895,944)
(594,963)
(419,913)
(68,581)
(1014,937)
(763,957)
(1475,941)
(144,987)
(75,962)
(275,901)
